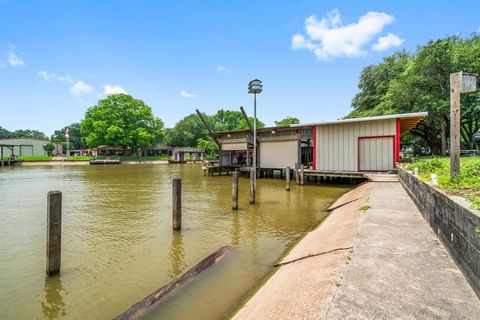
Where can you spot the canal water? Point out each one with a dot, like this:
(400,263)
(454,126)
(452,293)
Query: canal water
(118,245)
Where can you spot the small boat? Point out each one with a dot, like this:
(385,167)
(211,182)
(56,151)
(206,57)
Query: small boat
(105,161)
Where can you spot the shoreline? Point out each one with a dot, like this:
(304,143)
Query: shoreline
(374,256)
(337,230)
(83,163)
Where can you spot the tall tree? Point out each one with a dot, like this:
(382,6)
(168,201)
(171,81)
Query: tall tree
(287,121)
(187,132)
(227,120)
(20,133)
(421,82)
(121,120)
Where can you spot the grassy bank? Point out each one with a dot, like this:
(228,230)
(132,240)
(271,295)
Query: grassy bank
(467,184)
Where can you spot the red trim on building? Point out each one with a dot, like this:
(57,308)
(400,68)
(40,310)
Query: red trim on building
(376,137)
(397,142)
(314,163)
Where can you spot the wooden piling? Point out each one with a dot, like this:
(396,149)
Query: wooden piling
(297,178)
(235,191)
(54,232)
(177,203)
(252,187)
(301,175)
(287,178)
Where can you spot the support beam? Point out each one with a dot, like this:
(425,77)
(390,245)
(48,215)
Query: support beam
(205,123)
(246,120)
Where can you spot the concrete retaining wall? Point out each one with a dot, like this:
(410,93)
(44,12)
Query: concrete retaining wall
(453,223)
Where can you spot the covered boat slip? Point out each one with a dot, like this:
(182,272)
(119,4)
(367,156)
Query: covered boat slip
(277,147)
(349,146)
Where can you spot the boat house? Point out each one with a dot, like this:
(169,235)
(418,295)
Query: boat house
(369,144)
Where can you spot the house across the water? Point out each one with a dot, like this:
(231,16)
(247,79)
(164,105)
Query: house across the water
(27,146)
(369,144)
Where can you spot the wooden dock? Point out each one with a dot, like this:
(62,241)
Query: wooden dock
(8,162)
(106,161)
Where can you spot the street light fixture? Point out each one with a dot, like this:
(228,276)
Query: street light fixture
(255,86)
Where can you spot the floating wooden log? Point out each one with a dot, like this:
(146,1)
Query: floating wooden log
(143,305)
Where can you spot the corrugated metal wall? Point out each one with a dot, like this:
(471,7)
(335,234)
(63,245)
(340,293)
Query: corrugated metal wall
(337,144)
(278,154)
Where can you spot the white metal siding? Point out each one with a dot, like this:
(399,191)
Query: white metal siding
(376,154)
(337,144)
(234,146)
(278,154)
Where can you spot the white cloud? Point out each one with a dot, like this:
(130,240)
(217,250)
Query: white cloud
(224,70)
(109,89)
(80,87)
(387,42)
(52,76)
(329,37)
(47,76)
(65,78)
(13,59)
(186,94)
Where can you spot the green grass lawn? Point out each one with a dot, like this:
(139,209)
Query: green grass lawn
(34,158)
(467,184)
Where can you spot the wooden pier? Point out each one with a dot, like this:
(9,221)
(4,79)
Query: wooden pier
(8,162)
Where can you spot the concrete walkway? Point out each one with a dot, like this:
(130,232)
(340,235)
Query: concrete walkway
(398,268)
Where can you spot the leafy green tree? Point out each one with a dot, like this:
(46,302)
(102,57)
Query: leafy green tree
(4,133)
(186,132)
(227,120)
(75,136)
(29,133)
(287,121)
(421,82)
(48,148)
(209,146)
(121,120)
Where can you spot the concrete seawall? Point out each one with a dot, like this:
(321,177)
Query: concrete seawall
(373,257)
(453,223)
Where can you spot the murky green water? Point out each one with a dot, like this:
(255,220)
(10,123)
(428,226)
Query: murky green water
(118,245)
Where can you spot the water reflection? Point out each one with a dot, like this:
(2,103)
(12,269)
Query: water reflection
(235,229)
(176,255)
(53,307)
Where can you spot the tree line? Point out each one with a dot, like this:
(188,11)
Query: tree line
(420,81)
(121,120)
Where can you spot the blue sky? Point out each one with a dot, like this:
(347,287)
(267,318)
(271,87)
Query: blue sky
(57,58)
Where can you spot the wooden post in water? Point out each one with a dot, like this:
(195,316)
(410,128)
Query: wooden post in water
(177,203)
(54,232)
(301,175)
(297,179)
(287,178)
(252,187)
(235,191)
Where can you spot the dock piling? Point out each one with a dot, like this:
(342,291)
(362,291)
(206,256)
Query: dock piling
(54,232)
(235,190)
(252,187)
(301,175)
(177,203)
(287,178)
(297,178)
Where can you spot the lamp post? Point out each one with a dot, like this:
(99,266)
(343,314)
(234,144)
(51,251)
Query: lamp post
(255,86)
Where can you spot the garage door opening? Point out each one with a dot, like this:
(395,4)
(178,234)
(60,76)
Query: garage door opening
(376,154)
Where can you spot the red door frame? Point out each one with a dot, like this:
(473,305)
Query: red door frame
(394,139)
